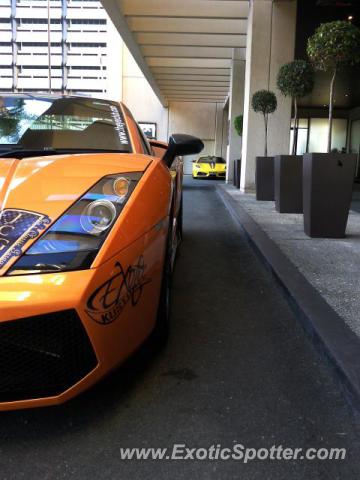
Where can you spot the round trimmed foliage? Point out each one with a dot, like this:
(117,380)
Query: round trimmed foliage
(334,45)
(296,79)
(264,101)
(238,124)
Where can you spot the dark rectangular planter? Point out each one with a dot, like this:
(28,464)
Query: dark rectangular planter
(289,183)
(238,172)
(328,183)
(264,178)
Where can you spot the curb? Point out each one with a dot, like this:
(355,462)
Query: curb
(326,328)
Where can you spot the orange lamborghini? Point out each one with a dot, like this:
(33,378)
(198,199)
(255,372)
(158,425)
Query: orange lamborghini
(90,219)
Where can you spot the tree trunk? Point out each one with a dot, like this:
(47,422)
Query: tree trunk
(266,133)
(295,139)
(331,103)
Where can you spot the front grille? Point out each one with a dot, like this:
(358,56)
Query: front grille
(43,356)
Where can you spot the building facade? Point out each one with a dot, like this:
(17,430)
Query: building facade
(88,57)
(82,43)
(204,93)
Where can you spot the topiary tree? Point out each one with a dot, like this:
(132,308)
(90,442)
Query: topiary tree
(238,124)
(265,102)
(334,45)
(295,80)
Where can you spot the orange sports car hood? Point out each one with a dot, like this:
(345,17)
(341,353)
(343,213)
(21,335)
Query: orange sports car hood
(50,184)
(34,192)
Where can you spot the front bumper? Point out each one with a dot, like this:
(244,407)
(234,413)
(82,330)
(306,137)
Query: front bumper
(48,352)
(52,347)
(200,174)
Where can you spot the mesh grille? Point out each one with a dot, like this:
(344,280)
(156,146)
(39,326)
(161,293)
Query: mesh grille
(43,356)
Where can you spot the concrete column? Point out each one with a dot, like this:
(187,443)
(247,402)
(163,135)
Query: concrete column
(64,47)
(219,125)
(225,131)
(114,62)
(270,44)
(282,51)
(14,46)
(236,107)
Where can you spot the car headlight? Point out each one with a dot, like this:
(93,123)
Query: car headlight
(197,166)
(74,240)
(98,216)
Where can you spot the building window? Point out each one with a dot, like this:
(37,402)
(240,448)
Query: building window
(37,21)
(302,135)
(39,44)
(87,21)
(87,67)
(87,45)
(319,132)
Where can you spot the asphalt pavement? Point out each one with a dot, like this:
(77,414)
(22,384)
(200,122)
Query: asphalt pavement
(238,369)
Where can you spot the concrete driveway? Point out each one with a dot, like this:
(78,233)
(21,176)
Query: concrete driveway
(237,370)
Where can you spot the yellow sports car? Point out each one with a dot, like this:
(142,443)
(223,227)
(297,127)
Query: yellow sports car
(210,166)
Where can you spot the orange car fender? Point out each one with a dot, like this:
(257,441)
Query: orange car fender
(119,305)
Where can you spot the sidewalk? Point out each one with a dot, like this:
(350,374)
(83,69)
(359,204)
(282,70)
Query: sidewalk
(322,276)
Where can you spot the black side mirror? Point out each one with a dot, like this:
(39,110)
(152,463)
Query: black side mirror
(181,144)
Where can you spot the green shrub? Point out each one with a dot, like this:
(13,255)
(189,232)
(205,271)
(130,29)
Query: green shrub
(334,45)
(238,124)
(296,80)
(265,102)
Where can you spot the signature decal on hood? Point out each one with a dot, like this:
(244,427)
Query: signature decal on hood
(108,301)
(17,227)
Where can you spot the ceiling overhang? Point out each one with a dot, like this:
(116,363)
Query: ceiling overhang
(184,49)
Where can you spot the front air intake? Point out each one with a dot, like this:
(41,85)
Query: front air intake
(43,356)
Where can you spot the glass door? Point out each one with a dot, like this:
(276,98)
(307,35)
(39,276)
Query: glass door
(302,136)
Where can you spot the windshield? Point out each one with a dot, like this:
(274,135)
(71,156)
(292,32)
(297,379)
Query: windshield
(61,123)
(211,160)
